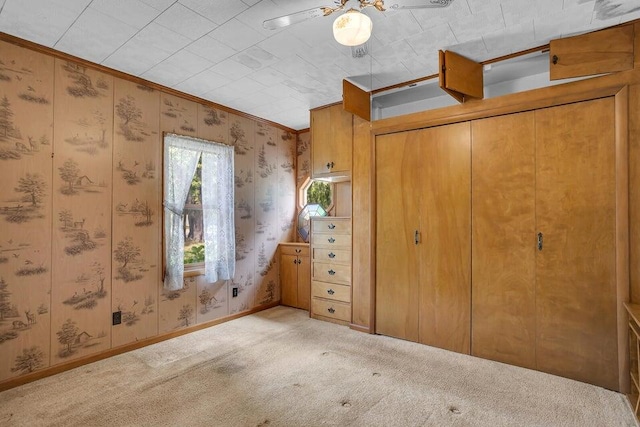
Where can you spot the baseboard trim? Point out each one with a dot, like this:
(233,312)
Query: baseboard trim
(47,372)
(360,328)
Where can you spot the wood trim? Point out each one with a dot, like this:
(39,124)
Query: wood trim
(622,231)
(324,106)
(403,84)
(592,88)
(304,130)
(125,76)
(15,382)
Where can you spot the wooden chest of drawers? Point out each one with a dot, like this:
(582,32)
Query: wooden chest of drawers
(331,269)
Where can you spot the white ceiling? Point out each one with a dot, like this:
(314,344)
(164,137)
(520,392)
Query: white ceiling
(218,49)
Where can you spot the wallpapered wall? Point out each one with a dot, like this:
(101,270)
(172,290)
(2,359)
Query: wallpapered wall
(81,211)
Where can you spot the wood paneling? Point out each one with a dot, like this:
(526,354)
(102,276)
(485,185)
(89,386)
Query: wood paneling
(82,185)
(604,51)
(444,247)
(503,243)
(575,203)
(137,211)
(26,135)
(634,184)
(397,219)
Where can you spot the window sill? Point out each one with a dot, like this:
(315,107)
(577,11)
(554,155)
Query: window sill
(193,270)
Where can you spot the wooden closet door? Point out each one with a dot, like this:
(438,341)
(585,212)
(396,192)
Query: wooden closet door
(445,236)
(576,270)
(503,249)
(398,190)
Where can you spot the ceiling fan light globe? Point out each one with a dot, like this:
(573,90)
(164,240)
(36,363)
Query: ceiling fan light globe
(352,28)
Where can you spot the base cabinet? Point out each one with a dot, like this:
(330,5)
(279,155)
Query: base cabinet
(331,269)
(295,275)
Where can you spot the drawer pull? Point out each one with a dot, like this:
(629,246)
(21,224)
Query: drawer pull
(331,310)
(330,165)
(331,291)
(331,240)
(332,255)
(331,272)
(331,226)
(298,251)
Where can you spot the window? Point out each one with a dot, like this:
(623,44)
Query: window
(313,191)
(198,208)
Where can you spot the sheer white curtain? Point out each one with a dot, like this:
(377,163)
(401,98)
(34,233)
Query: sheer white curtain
(181,156)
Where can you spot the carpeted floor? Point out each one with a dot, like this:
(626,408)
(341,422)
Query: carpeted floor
(280,368)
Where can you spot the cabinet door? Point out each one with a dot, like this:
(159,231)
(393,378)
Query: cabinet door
(289,280)
(503,244)
(304,282)
(575,270)
(444,263)
(397,219)
(331,140)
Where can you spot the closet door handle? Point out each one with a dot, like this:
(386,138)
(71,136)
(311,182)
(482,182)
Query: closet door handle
(416,237)
(540,241)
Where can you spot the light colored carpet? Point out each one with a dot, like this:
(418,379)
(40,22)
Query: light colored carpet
(280,368)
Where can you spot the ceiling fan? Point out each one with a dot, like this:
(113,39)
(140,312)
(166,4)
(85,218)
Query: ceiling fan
(352,28)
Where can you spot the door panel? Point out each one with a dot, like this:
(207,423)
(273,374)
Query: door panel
(304,282)
(503,248)
(445,245)
(288,280)
(575,271)
(397,177)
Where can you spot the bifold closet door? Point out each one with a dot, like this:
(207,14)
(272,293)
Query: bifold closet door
(503,248)
(397,218)
(576,264)
(423,222)
(445,237)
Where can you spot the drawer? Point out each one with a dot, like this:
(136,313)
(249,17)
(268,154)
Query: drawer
(339,256)
(331,291)
(299,250)
(332,273)
(331,225)
(332,309)
(340,241)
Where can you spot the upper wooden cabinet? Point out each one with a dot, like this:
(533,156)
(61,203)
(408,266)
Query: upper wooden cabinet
(331,143)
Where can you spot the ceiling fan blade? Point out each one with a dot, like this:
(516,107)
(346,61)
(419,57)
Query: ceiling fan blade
(294,18)
(430,5)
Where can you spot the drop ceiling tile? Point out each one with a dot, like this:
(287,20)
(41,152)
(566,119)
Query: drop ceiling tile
(255,58)
(356,66)
(256,15)
(518,11)
(218,11)
(159,4)
(475,50)
(397,27)
(566,4)
(510,40)
(429,18)
(268,76)
(250,2)
(391,74)
(552,26)
(423,65)
(135,57)
(283,44)
(1,4)
(472,27)
(293,66)
(202,83)
(432,40)
(211,49)
(44,22)
(186,22)
(237,35)
(180,67)
(231,68)
(95,36)
(157,36)
(131,12)
(322,53)
(607,9)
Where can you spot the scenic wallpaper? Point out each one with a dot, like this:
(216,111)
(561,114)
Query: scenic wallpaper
(81,211)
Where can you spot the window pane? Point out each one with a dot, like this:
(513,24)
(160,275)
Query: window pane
(193,227)
(319,192)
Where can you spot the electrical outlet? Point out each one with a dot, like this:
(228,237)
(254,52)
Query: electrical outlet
(234,292)
(116,317)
